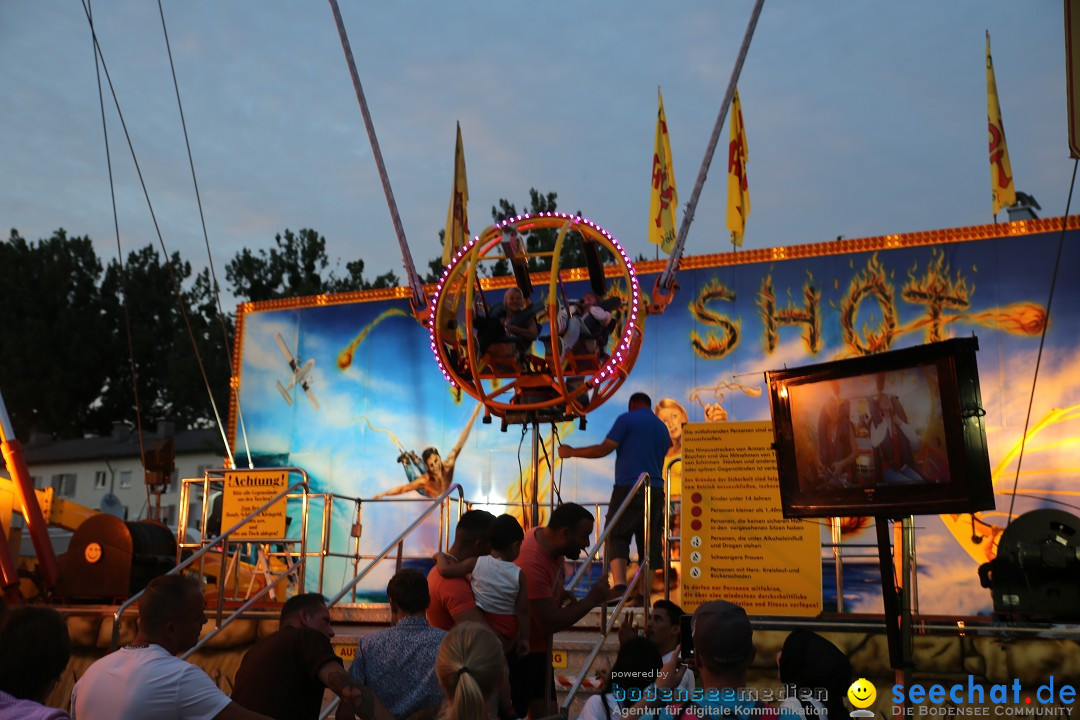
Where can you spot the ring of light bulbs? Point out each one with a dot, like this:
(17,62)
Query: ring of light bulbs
(625,350)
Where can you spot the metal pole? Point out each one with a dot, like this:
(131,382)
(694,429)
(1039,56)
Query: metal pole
(906,634)
(838,564)
(666,545)
(551,479)
(419,300)
(667,277)
(535,473)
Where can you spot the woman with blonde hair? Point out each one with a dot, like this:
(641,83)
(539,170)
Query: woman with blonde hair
(470,668)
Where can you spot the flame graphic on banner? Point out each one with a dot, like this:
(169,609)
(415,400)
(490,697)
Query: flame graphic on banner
(713,347)
(345,358)
(872,283)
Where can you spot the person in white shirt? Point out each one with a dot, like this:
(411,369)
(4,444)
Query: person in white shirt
(144,680)
(498,584)
(895,444)
(589,317)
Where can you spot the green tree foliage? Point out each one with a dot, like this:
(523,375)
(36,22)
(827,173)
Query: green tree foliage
(539,244)
(436,267)
(54,343)
(66,367)
(170,382)
(296,267)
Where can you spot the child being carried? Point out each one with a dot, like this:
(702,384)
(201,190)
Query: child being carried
(497,583)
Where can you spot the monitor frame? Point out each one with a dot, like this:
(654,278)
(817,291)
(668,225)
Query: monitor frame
(966,486)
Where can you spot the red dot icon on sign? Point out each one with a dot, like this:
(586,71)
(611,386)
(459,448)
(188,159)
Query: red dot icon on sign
(696,497)
(696,511)
(696,524)
(1027,700)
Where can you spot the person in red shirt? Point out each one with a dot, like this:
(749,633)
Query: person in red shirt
(452,598)
(551,609)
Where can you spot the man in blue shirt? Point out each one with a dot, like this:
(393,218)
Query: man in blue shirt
(640,441)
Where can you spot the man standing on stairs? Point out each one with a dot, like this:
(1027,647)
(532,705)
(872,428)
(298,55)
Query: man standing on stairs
(283,675)
(640,441)
(542,559)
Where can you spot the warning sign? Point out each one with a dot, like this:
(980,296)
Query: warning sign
(736,544)
(245,492)
(345,651)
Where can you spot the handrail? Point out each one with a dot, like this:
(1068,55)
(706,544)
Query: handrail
(211,544)
(604,632)
(642,571)
(236,613)
(668,537)
(590,556)
(331,708)
(435,503)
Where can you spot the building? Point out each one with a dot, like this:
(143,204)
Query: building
(86,470)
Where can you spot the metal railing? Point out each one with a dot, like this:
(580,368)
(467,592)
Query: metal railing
(223,539)
(397,542)
(642,575)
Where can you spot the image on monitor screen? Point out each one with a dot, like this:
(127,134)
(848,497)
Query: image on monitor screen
(879,429)
(890,434)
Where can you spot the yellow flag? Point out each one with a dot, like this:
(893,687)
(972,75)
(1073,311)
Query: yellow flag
(738,192)
(1001,180)
(457,216)
(664,198)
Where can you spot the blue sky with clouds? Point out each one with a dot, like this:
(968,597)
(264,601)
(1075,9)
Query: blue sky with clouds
(862,118)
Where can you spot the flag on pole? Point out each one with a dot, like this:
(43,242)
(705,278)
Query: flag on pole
(738,193)
(664,198)
(456,234)
(1001,180)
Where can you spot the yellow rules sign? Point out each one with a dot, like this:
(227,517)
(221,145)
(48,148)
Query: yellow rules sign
(245,492)
(736,544)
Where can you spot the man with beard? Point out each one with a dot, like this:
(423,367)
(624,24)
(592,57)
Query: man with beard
(542,559)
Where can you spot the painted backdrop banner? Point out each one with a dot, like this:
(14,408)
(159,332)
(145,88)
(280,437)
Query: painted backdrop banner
(367,411)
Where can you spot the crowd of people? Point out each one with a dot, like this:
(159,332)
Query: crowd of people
(471,640)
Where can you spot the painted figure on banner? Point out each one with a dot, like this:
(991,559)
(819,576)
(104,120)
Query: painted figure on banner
(440,470)
(674,416)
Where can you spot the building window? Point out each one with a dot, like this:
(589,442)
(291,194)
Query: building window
(168,515)
(99,480)
(38,482)
(125,479)
(63,484)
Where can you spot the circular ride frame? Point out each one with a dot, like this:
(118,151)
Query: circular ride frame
(539,388)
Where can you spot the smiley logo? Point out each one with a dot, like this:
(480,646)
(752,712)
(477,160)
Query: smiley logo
(862,693)
(92,553)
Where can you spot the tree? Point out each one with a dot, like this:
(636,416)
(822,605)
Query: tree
(142,295)
(294,268)
(436,267)
(54,343)
(540,243)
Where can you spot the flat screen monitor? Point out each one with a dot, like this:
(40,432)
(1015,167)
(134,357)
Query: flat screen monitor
(887,435)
